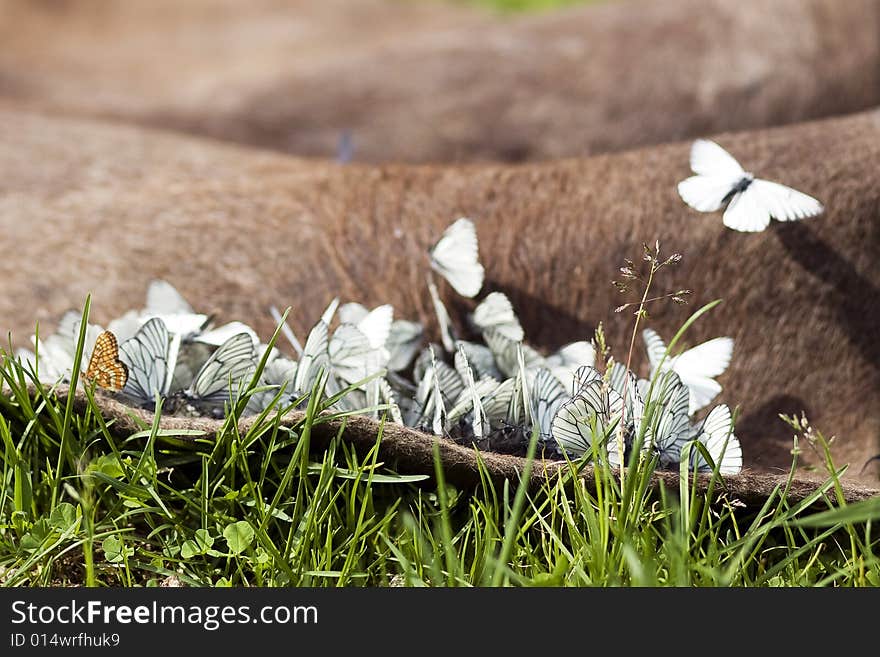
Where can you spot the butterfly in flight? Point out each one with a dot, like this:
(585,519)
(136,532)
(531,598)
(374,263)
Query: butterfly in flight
(105,368)
(751,202)
(455,256)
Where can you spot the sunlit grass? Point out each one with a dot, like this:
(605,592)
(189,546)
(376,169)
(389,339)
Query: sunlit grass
(78,505)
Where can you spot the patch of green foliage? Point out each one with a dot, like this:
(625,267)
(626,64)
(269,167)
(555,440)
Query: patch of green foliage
(78,506)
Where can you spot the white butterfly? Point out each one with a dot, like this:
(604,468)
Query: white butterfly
(506,353)
(716,433)
(696,367)
(569,358)
(479,357)
(547,396)
(278,375)
(234,362)
(56,352)
(375,324)
(497,401)
(219,335)
(151,355)
(352,357)
(315,359)
(455,256)
(620,385)
(446,330)
(164,301)
(479,422)
(627,386)
(519,409)
(667,407)
(589,418)
(496,312)
(387,396)
(428,411)
(752,201)
(404,340)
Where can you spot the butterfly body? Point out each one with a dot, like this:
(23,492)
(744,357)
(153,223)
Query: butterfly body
(741,186)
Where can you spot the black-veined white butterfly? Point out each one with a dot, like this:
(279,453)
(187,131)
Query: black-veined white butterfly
(315,359)
(151,355)
(696,367)
(55,353)
(479,357)
(375,324)
(232,365)
(589,418)
(506,353)
(404,341)
(547,396)
(455,256)
(278,377)
(751,202)
(669,428)
(165,302)
(568,359)
(496,312)
(447,336)
(352,357)
(716,433)
(479,422)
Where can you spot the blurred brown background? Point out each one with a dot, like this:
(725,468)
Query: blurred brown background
(442,81)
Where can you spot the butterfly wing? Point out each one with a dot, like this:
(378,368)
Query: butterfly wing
(669,410)
(716,433)
(655,348)
(233,362)
(547,396)
(506,353)
(163,300)
(583,420)
(717,171)
(314,360)
(479,357)
(697,367)
(146,356)
(404,339)
(783,203)
(496,312)
(351,354)
(443,320)
(376,325)
(455,256)
(219,335)
(709,159)
(105,368)
(746,213)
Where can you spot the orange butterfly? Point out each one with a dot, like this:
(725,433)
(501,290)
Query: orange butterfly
(105,368)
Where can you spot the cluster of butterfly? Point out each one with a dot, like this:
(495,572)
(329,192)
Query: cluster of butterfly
(492,393)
